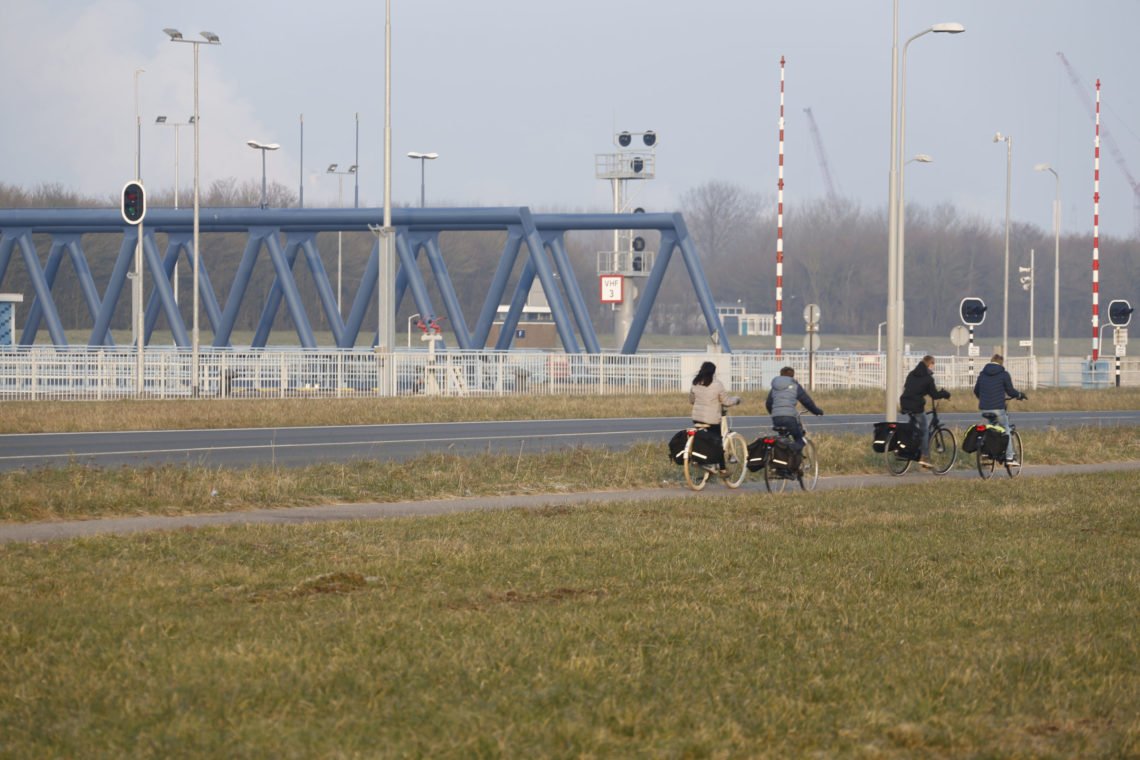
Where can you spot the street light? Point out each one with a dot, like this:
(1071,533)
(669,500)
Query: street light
(209,38)
(998,137)
(423,157)
(921,158)
(894,268)
(339,204)
(414,316)
(162,122)
(262,147)
(1056,274)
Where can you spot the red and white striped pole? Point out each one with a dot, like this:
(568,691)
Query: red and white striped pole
(1096,232)
(780,226)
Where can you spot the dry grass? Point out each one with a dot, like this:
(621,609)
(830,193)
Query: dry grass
(45,416)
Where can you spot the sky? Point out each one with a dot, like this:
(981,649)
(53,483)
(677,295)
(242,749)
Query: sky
(518,97)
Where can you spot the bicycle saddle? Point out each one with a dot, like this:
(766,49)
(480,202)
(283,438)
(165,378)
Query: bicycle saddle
(990,416)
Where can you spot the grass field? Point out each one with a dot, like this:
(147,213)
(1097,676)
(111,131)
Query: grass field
(944,620)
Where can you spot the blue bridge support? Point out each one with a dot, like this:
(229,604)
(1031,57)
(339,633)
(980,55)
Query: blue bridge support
(286,235)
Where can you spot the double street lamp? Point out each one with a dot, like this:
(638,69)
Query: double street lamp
(894,215)
(424,158)
(208,38)
(263,147)
(339,204)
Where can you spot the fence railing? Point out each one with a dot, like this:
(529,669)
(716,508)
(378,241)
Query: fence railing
(75,373)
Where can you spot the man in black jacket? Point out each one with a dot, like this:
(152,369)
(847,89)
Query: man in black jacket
(920,384)
(993,387)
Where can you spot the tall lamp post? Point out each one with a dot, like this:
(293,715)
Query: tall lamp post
(162,122)
(209,38)
(424,158)
(921,158)
(339,204)
(998,137)
(894,260)
(1056,274)
(263,147)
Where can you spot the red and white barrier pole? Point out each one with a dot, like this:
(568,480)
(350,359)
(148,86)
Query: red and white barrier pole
(780,226)
(1096,232)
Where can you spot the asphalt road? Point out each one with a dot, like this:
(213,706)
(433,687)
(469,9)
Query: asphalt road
(296,446)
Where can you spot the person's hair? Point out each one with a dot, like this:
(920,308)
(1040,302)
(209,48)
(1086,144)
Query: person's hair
(787,372)
(997,359)
(928,359)
(705,375)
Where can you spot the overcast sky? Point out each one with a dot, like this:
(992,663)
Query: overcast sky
(517,97)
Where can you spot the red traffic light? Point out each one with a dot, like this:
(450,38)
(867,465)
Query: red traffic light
(134,203)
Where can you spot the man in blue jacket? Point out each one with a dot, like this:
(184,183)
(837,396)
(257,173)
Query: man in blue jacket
(781,404)
(993,387)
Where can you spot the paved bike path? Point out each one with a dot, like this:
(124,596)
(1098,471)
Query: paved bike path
(370,511)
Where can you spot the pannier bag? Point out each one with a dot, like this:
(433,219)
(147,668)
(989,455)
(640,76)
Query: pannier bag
(995,442)
(882,433)
(906,441)
(784,455)
(973,437)
(756,451)
(704,446)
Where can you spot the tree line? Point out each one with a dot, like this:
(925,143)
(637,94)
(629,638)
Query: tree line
(834,255)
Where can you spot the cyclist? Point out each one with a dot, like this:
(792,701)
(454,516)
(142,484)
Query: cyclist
(708,396)
(993,387)
(781,404)
(920,384)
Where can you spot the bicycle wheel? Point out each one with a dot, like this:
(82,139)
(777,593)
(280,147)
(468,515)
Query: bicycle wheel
(695,473)
(735,459)
(896,464)
(943,451)
(809,468)
(1013,470)
(774,479)
(985,465)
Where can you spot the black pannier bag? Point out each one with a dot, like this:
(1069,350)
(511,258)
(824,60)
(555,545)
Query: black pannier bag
(705,446)
(756,451)
(906,440)
(882,433)
(972,438)
(995,442)
(784,455)
(677,447)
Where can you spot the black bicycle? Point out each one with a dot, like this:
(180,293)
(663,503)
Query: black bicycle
(902,450)
(987,462)
(778,471)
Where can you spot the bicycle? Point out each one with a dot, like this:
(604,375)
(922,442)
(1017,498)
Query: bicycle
(987,463)
(943,446)
(735,457)
(776,474)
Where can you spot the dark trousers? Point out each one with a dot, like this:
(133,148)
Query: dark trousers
(791,424)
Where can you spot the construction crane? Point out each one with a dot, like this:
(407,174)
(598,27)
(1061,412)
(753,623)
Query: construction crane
(822,155)
(1109,143)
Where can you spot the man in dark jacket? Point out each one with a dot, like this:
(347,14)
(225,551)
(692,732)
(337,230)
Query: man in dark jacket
(920,384)
(781,404)
(993,387)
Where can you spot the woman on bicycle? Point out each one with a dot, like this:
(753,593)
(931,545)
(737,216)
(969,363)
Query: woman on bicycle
(708,397)
(993,387)
(920,384)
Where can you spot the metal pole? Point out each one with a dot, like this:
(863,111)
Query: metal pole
(194,341)
(1032,291)
(893,358)
(302,177)
(264,202)
(386,274)
(356,180)
(1005,297)
(780,223)
(339,234)
(1096,234)
(423,160)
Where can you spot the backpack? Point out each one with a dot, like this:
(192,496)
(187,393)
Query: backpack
(995,442)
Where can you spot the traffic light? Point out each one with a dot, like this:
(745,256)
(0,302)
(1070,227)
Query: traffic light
(1027,279)
(624,139)
(973,311)
(1120,313)
(134,203)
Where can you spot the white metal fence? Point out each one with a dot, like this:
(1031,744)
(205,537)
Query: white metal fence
(44,372)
